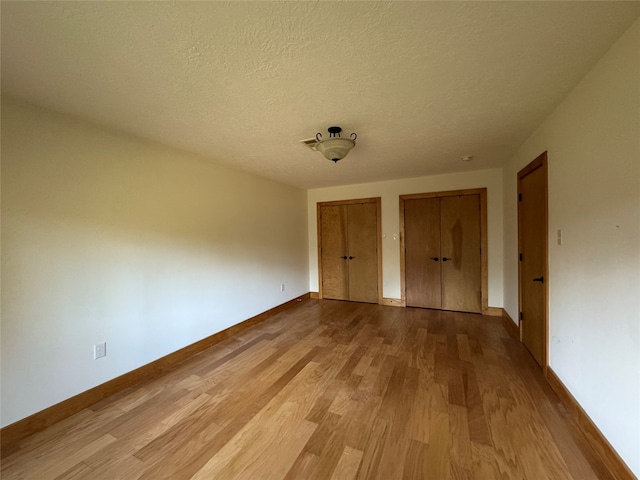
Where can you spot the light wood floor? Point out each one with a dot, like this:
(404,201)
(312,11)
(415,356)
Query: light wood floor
(329,390)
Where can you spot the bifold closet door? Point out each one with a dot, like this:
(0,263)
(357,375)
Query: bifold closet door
(442,253)
(349,253)
(460,248)
(422,253)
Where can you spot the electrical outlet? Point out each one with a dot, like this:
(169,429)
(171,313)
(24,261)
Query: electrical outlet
(99,350)
(282,287)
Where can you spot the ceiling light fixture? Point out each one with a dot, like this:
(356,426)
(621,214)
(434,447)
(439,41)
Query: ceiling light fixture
(335,147)
(467,158)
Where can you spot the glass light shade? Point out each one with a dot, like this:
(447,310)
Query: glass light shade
(335,149)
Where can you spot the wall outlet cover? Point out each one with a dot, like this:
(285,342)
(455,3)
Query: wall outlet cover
(99,350)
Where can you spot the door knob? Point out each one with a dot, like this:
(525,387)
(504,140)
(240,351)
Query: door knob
(445,259)
(539,279)
(351,258)
(435,259)
(344,257)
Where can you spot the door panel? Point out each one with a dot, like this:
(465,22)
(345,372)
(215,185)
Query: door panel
(334,246)
(362,234)
(422,246)
(460,249)
(532,233)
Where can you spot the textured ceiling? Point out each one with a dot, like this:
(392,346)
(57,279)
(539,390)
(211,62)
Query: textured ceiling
(422,83)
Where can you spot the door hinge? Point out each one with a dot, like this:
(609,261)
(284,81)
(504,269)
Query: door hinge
(519,197)
(520,257)
(521,316)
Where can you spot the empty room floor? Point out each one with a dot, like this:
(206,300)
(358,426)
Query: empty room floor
(327,390)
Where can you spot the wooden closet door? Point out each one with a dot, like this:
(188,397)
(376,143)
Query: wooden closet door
(460,249)
(422,253)
(333,221)
(362,234)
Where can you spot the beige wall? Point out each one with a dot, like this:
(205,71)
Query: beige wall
(593,144)
(106,237)
(389,193)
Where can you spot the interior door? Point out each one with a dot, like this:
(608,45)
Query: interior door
(362,234)
(532,240)
(422,253)
(460,250)
(333,230)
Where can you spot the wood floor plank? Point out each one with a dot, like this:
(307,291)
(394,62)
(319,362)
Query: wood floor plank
(301,468)
(233,420)
(477,423)
(373,449)
(366,386)
(420,421)
(460,446)
(53,467)
(67,435)
(76,472)
(318,441)
(396,410)
(464,350)
(329,389)
(364,413)
(438,456)
(415,465)
(274,444)
(487,465)
(459,473)
(348,465)
(126,466)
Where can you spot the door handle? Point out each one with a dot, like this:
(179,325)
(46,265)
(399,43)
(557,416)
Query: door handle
(539,279)
(344,257)
(435,259)
(351,258)
(445,259)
